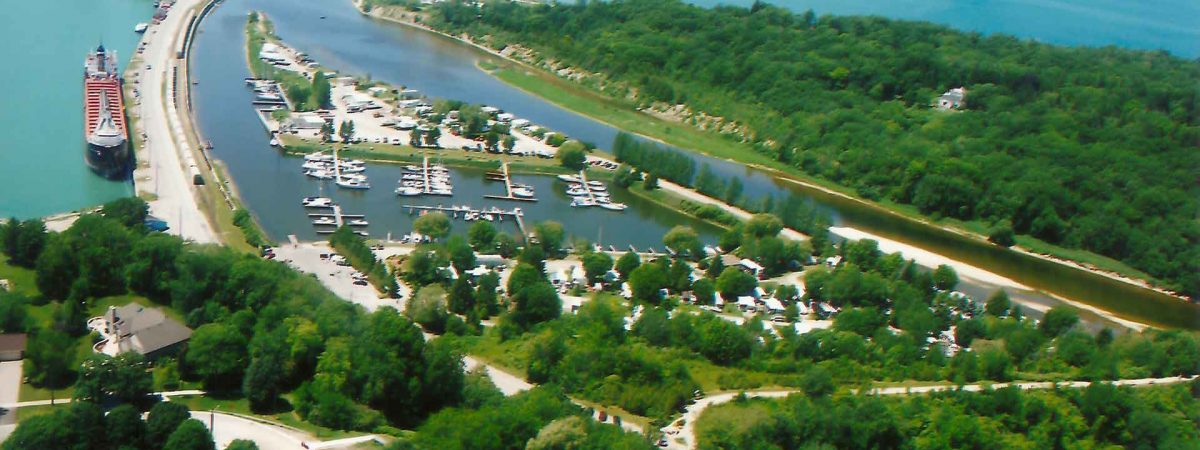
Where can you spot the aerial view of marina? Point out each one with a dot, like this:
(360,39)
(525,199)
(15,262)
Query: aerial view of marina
(684,224)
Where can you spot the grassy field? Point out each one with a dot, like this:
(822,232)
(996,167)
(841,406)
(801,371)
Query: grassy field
(733,418)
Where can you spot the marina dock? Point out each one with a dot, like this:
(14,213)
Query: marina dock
(506,177)
(468,213)
(425,180)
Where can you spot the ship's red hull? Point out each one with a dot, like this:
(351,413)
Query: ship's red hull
(92,94)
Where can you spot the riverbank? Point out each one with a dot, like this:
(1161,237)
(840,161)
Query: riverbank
(583,101)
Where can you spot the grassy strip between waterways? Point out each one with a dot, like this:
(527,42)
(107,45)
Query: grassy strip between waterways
(686,207)
(259,32)
(404,154)
(625,117)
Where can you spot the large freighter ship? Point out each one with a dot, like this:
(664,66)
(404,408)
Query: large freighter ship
(104,116)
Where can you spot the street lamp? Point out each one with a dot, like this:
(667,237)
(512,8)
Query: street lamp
(212,414)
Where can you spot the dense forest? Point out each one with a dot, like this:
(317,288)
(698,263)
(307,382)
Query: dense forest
(1084,148)
(1099,416)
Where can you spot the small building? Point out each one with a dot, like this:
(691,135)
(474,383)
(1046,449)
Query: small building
(5,285)
(135,328)
(746,303)
(505,117)
(306,121)
(807,326)
(410,94)
(774,306)
(271,53)
(359,101)
(953,99)
(750,267)
(12,346)
(377,90)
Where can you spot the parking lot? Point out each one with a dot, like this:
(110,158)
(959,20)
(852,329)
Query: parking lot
(307,257)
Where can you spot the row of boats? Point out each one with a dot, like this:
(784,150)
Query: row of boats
(470,214)
(332,219)
(346,173)
(425,180)
(585,193)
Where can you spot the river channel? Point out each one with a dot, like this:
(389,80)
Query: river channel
(335,34)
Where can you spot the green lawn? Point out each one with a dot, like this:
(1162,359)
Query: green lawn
(22,280)
(31,393)
(34,411)
(733,418)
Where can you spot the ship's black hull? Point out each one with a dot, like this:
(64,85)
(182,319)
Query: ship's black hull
(109,162)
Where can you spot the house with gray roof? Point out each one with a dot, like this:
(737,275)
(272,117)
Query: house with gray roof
(136,328)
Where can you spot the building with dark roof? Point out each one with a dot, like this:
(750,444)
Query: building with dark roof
(12,346)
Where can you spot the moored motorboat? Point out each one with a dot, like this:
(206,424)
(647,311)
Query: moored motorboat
(349,183)
(580,202)
(314,165)
(318,156)
(358,223)
(569,178)
(319,174)
(317,202)
(522,191)
(408,191)
(324,221)
(613,206)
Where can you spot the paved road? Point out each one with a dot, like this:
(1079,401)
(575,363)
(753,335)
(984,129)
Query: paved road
(226,428)
(174,201)
(683,437)
(10,388)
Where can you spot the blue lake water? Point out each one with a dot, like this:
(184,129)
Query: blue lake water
(1171,25)
(41,122)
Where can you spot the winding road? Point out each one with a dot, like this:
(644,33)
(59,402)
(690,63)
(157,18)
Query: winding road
(683,436)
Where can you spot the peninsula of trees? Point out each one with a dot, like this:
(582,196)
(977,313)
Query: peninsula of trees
(1085,148)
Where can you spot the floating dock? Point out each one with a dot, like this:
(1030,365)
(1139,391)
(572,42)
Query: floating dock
(462,212)
(503,175)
